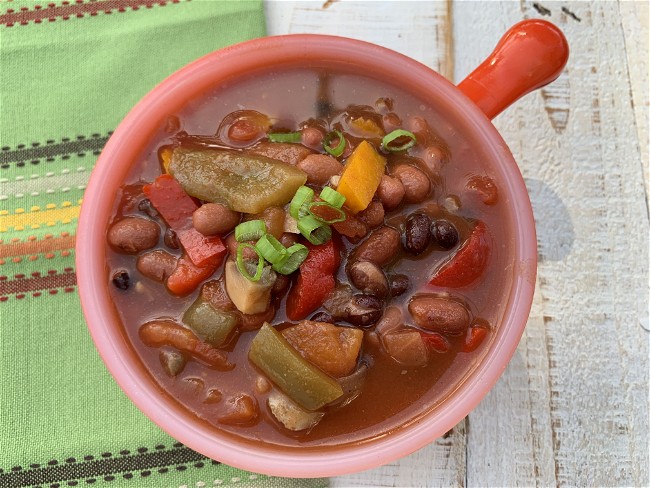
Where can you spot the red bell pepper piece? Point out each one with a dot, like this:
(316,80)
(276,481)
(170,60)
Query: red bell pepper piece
(474,338)
(176,207)
(188,276)
(435,341)
(469,262)
(315,281)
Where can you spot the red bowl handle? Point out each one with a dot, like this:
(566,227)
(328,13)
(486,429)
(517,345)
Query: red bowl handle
(530,55)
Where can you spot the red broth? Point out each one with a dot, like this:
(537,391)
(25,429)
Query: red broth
(463,192)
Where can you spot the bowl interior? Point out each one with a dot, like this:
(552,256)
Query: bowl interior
(132,137)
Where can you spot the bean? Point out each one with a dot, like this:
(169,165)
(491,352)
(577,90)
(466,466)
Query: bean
(288,239)
(320,168)
(323,317)
(121,280)
(380,247)
(444,233)
(439,314)
(286,152)
(252,321)
(232,244)
(391,122)
(146,207)
(351,227)
(416,234)
(239,410)
(281,284)
(131,235)
(398,284)
(312,137)
(244,130)
(273,218)
(171,239)
(369,278)
(390,192)
(157,264)
(363,310)
(214,219)
(373,215)
(434,158)
(416,184)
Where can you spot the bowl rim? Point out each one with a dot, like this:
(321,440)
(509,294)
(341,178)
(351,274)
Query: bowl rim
(142,389)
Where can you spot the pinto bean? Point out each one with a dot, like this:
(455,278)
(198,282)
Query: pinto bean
(369,278)
(273,218)
(232,245)
(131,235)
(416,234)
(439,314)
(244,130)
(416,184)
(214,219)
(380,247)
(157,264)
(312,137)
(320,168)
(390,192)
(434,158)
(373,215)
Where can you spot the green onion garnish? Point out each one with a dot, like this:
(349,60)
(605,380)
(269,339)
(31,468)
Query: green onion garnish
(296,254)
(331,196)
(285,137)
(300,202)
(250,231)
(340,214)
(396,134)
(271,249)
(340,147)
(314,231)
(243,268)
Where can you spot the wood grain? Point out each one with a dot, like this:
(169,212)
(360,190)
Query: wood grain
(571,409)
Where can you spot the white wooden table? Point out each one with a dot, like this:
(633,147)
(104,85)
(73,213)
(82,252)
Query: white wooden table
(572,406)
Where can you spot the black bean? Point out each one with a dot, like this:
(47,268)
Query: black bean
(145,206)
(121,280)
(171,239)
(398,284)
(364,310)
(444,233)
(417,234)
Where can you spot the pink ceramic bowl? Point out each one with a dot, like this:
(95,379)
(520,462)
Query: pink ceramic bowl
(532,54)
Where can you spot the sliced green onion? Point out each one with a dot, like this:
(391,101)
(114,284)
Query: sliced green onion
(340,213)
(296,254)
(340,147)
(250,231)
(241,264)
(314,230)
(300,202)
(285,137)
(331,196)
(271,249)
(396,134)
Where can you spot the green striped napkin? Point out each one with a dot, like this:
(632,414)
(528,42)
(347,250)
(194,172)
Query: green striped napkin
(69,71)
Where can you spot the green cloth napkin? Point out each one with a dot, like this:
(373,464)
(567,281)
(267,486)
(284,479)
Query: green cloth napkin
(69,72)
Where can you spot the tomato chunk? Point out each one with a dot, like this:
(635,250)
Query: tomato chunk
(469,262)
(187,276)
(474,338)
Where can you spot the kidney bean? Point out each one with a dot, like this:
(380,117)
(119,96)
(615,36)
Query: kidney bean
(363,310)
(373,215)
(157,264)
(312,137)
(417,234)
(416,184)
(244,130)
(214,219)
(398,284)
(444,233)
(390,192)
(121,280)
(369,278)
(320,168)
(439,314)
(171,239)
(380,247)
(167,333)
(131,235)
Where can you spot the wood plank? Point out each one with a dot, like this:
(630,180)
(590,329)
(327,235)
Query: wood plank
(588,357)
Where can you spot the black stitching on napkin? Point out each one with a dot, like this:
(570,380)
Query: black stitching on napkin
(67,147)
(106,468)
